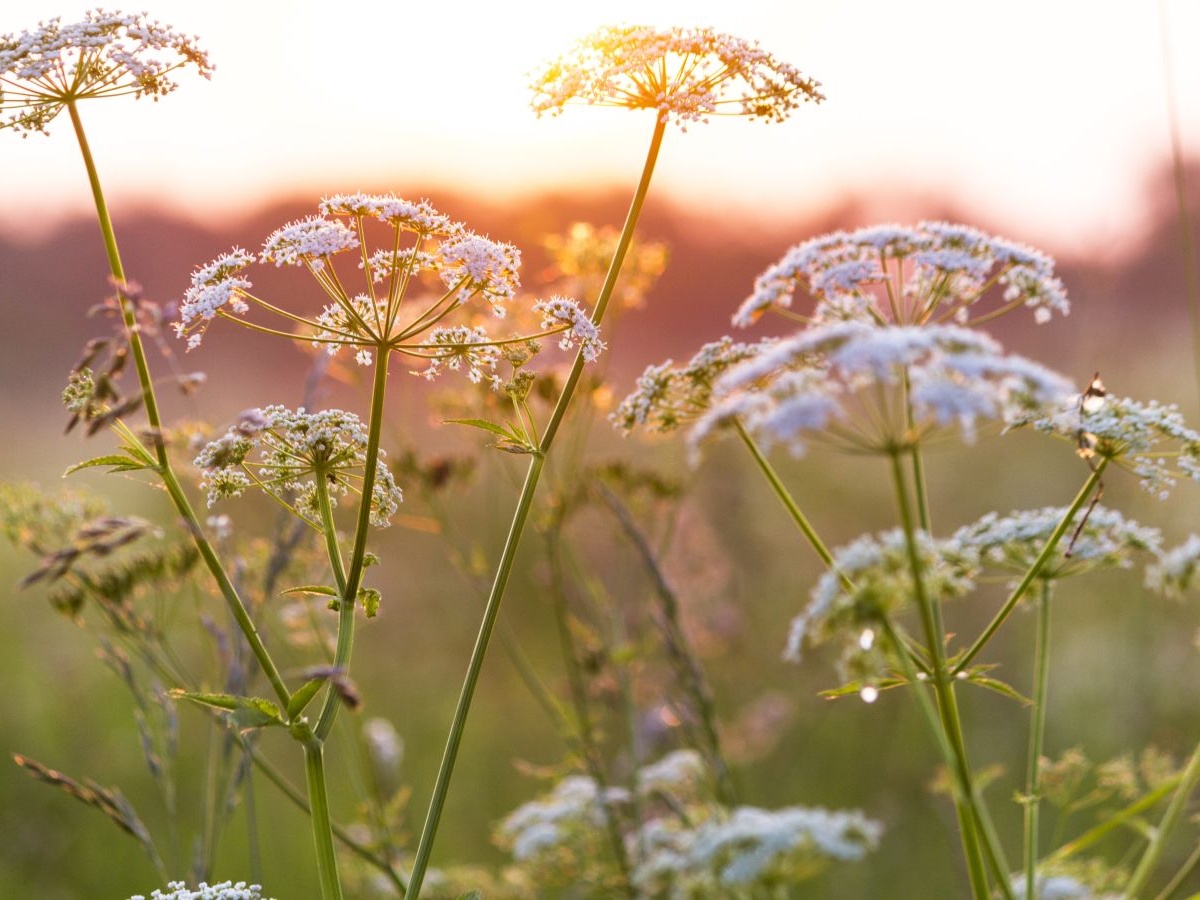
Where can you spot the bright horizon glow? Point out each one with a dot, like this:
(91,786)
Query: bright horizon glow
(1047,119)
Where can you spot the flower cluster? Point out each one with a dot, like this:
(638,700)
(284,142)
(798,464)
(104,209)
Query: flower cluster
(685,74)
(840,381)
(298,451)
(1012,543)
(417,244)
(871,581)
(226,890)
(1176,569)
(667,397)
(725,855)
(108,54)
(1144,438)
(687,844)
(933,272)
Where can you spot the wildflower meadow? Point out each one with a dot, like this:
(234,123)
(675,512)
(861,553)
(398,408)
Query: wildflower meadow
(833,605)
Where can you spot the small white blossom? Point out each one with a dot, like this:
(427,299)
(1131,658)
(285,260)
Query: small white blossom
(310,241)
(559,312)
(575,804)
(458,346)
(476,265)
(226,890)
(216,287)
(295,448)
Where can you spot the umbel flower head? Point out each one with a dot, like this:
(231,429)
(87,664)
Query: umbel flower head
(684,74)
(1150,440)
(296,450)
(427,268)
(862,387)
(108,54)
(932,273)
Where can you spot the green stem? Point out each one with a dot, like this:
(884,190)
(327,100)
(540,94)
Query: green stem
(1034,570)
(977,837)
(170,481)
(508,555)
(353,577)
(1175,810)
(322,824)
(785,496)
(1037,732)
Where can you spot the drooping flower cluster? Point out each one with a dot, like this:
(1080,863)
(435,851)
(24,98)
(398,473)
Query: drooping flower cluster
(297,449)
(685,74)
(933,272)
(418,245)
(108,54)
(878,388)
(1148,439)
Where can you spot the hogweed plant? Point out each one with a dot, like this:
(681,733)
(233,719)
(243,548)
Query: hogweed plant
(888,360)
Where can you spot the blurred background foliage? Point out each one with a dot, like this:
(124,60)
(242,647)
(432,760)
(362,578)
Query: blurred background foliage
(1125,668)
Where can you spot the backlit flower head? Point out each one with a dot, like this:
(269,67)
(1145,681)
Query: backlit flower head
(1150,440)
(843,383)
(417,269)
(667,397)
(108,54)
(933,272)
(582,256)
(295,448)
(685,74)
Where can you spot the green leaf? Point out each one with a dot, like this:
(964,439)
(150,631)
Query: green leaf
(116,461)
(501,430)
(322,589)
(246,712)
(303,696)
(999,687)
(369,598)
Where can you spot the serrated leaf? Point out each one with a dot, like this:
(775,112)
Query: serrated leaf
(854,688)
(116,461)
(303,696)
(322,589)
(247,712)
(369,598)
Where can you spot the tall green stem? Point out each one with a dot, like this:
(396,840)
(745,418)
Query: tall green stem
(358,555)
(170,481)
(504,568)
(976,834)
(318,804)
(1037,732)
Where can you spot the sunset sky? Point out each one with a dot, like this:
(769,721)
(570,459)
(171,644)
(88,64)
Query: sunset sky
(1050,116)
